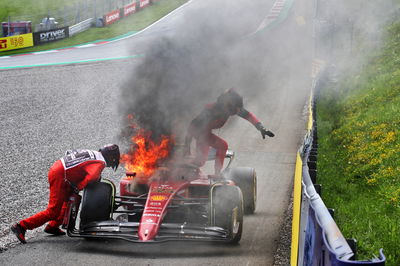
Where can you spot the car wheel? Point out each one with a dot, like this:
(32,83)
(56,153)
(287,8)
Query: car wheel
(227,210)
(72,213)
(246,179)
(97,202)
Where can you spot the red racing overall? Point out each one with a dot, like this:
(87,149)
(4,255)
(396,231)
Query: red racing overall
(78,167)
(213,116)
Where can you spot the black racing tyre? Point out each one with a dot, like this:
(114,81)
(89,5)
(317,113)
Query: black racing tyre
(227,210)
(97,202)
(246,179)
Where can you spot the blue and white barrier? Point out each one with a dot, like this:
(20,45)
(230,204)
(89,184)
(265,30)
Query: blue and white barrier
(316,239)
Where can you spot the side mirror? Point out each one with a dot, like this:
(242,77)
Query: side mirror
(230,154)
(212,154)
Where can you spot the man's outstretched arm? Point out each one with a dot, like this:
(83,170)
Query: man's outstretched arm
(256,122)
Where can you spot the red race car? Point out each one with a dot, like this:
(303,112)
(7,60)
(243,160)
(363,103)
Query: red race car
(180,203)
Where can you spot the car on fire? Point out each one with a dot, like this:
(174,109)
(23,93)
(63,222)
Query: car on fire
(179,203)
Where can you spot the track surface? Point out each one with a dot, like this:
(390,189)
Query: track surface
(130,46)
(47,110)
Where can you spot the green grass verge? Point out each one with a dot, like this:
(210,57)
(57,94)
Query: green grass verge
(130,24)
(34,7)
(359,152)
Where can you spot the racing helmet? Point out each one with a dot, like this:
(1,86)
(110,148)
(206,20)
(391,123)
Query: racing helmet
(231,100)
(111,154)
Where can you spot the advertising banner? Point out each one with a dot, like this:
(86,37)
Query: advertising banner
(16,42)
(47,36)
(111,17)
(129,9)
(312,242)
(143,3)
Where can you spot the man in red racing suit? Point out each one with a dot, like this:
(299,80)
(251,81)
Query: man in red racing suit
(71,173)
(212,117)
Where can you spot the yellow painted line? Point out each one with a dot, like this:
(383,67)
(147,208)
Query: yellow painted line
(310,113)
(296,211)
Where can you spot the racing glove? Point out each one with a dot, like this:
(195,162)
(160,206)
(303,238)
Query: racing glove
(264,131)
(75,189)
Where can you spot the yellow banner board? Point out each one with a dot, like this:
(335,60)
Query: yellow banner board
(16,42)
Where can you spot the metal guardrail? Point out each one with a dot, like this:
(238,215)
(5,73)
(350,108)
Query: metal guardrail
(319,239)
(81,26)
(334,237)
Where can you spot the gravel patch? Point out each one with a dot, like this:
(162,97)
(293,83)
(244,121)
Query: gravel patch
(43,113)
(282,254)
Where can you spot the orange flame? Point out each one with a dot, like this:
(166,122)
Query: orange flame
(145,154)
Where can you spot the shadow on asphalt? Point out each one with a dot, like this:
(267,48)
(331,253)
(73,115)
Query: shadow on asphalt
(121,248)
(159,250)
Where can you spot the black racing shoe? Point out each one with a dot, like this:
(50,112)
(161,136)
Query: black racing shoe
(54,231)
(19,232)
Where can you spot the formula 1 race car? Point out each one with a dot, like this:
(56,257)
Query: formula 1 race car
(181,203)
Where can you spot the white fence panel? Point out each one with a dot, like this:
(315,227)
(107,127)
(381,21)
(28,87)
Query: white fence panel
(81,26)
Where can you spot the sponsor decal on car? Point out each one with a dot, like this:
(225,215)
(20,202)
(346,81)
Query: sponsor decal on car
(154,208)
(158,197)
(162,190)
(151,215)
(149,222)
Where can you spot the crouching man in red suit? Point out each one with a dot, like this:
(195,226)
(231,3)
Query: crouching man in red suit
(214,116)
(71,173)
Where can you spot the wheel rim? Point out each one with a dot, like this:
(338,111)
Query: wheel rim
(254,190)
(235,222)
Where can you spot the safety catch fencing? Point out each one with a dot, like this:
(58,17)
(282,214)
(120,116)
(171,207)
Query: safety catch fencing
(316,239)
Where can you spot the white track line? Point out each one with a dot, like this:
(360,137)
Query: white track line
(45,52)
(86,45)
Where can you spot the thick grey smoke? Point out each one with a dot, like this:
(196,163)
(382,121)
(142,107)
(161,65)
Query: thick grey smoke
(183,71)
(348,32)
(209,50)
